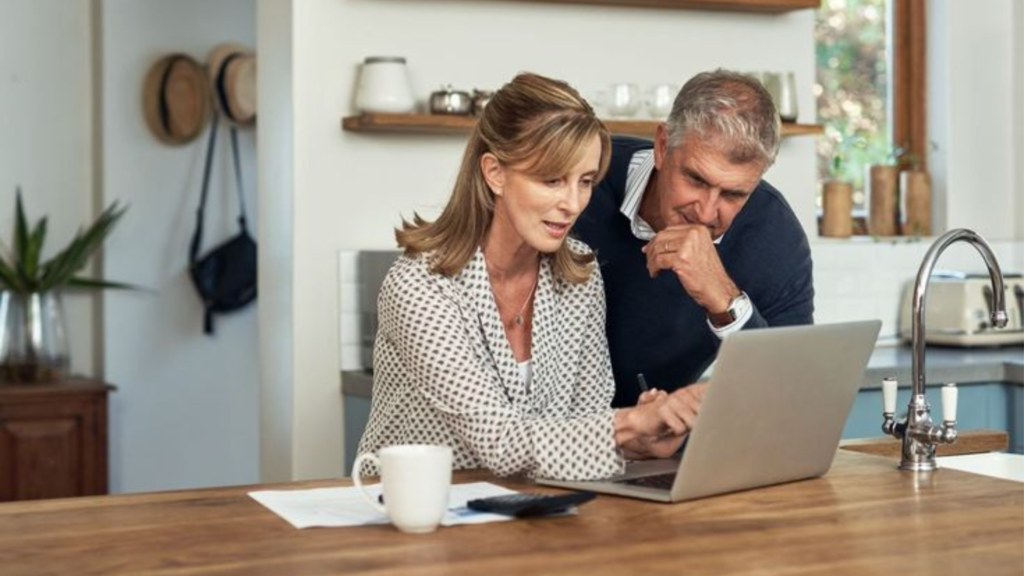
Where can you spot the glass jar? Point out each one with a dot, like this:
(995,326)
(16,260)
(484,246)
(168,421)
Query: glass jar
(33,341)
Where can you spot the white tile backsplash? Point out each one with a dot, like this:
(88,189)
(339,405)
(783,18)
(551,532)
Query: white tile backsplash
(348,328)
(350,357)
(347,265)
(349,302)
(853,280)
(861,278)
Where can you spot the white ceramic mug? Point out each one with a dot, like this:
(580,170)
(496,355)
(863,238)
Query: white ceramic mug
(415,479)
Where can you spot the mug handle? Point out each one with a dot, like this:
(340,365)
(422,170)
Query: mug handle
(357,480)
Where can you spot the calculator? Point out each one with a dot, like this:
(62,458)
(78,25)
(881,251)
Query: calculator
(525,504)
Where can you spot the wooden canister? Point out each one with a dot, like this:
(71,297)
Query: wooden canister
(884,198)
(837,208)
(916,203)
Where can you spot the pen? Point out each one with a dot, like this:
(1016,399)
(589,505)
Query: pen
(642,382)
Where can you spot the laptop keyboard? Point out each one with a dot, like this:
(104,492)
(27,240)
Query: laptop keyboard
(660,481)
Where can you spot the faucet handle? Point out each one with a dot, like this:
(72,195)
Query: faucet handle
(949,395)
(889,395)
(999,318)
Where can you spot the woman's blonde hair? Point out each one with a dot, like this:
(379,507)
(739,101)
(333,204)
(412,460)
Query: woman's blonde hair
(540,125)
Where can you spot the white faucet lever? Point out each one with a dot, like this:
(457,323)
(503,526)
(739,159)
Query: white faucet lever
(889,395)
(949,395)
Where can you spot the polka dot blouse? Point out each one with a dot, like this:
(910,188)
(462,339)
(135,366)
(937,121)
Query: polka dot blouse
(444,373)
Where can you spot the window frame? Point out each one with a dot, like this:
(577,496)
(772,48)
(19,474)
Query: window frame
(909,74)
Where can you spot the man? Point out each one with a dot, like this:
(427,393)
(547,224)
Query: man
(692,244)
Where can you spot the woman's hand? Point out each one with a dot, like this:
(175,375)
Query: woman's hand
(651,395)
(645,447)
(656,426)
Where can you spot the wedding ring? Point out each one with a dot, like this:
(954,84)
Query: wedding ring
(665,246)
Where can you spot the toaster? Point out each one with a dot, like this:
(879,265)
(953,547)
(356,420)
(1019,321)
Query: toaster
(958,310)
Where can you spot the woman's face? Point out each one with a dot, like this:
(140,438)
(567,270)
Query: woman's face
(541,212)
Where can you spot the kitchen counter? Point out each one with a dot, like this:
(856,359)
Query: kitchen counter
(863,517)
(946,364)
(942,364)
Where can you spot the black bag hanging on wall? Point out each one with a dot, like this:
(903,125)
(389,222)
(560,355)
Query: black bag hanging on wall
(225,277)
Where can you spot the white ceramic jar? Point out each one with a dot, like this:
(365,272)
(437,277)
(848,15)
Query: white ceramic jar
(384,86)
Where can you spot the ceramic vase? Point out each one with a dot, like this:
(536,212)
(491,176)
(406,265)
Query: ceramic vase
(916,203)
(883,200)
(837,207)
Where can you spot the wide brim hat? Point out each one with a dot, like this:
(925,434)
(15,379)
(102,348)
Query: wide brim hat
(176,99)
(232,75)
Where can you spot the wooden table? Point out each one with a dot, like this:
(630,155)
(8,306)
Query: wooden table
(863,517)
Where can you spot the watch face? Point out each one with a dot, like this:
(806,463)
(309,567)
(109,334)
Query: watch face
(732,313)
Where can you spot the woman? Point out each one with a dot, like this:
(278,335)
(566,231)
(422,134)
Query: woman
(491,325)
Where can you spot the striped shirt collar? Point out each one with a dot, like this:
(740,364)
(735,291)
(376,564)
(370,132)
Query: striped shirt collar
(641,166)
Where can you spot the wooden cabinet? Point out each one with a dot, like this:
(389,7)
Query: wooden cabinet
(53,439)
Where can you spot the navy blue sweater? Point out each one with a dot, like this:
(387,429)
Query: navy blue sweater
(654,327)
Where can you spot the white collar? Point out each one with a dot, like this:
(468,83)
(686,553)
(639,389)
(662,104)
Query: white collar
(638,175)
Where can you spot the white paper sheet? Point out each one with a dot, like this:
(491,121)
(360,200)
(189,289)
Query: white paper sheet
(329,507)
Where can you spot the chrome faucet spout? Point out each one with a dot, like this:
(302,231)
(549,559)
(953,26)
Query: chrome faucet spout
(999,316)
(919,436)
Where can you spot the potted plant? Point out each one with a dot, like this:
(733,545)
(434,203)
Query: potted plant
(915,195)
(33,345)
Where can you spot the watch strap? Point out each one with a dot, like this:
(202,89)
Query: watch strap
(731,314)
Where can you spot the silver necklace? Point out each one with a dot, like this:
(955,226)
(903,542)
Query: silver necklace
(518,319)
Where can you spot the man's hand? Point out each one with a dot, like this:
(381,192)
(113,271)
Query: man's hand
(688,250)
(681,408)
(661,421)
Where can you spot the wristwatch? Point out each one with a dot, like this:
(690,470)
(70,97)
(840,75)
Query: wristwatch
(732,313)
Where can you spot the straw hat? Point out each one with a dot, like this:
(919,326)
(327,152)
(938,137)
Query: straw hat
(175,99)
(232,70)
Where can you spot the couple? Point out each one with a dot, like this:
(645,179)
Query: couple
(492,325)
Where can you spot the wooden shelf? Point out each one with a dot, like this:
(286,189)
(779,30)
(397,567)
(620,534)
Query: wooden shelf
(761,6)
(444,124)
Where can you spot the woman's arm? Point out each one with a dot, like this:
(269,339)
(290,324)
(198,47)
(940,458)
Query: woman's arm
(641,432)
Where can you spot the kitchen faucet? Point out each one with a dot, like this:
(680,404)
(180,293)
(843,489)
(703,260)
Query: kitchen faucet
(920,437)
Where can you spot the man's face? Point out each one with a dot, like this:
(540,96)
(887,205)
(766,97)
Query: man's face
(697,184)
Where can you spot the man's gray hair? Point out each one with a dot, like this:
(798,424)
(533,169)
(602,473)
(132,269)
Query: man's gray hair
(731,111)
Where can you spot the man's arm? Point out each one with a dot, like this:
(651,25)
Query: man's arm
(793,305)
(690,253)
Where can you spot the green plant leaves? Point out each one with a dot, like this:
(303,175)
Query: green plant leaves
(20,225)
(23,272)
(9,278)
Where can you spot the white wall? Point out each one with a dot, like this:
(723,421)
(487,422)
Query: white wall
(46,136)
(971,111)
(276,159)
(1018,116)
(186,410)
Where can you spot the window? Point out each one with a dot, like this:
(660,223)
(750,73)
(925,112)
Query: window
(869,88)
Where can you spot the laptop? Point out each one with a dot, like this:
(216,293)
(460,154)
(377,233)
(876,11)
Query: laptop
(774,412)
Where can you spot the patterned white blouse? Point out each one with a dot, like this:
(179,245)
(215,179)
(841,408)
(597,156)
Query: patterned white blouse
(444,373)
